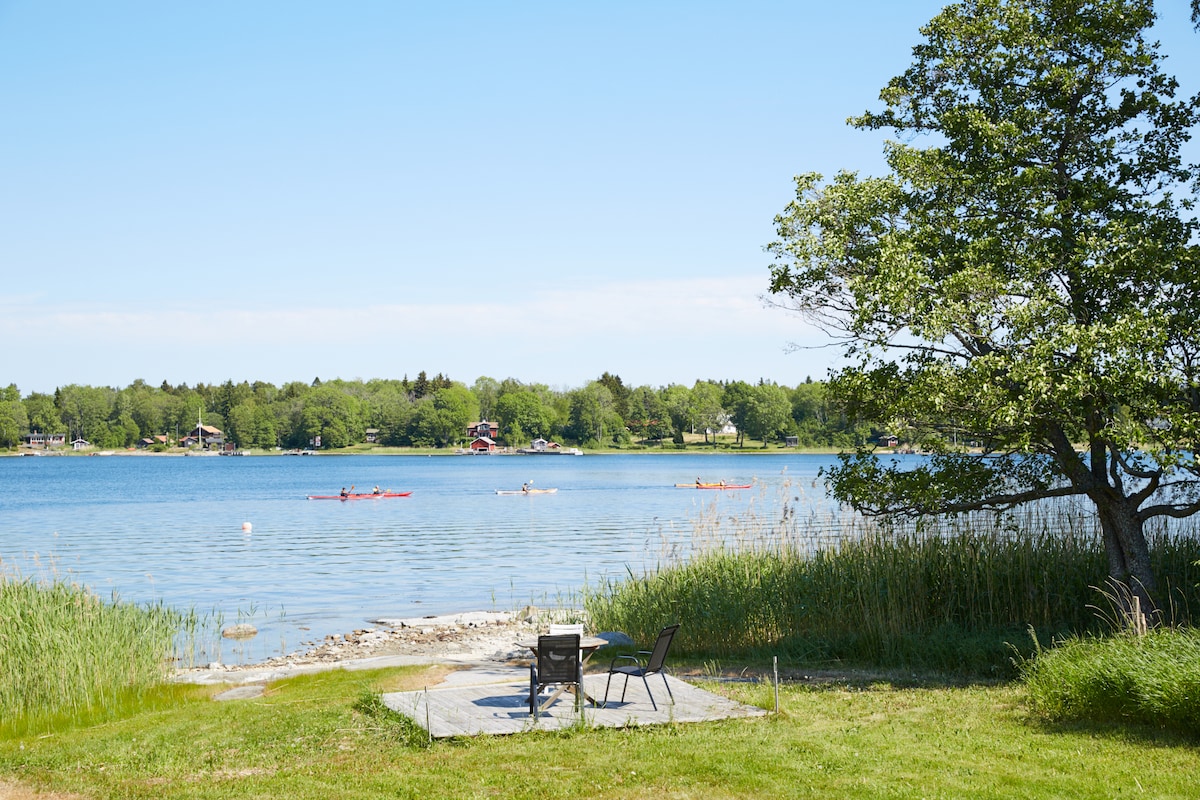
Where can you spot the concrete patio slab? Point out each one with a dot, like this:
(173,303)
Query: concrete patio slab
(471,708)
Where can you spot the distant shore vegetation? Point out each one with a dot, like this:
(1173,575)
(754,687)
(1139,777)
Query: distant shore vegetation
(434,412)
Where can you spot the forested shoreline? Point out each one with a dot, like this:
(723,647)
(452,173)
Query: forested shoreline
(432,412)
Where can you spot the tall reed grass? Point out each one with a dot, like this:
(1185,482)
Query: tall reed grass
(63,649)
(941,593)
(1150,679)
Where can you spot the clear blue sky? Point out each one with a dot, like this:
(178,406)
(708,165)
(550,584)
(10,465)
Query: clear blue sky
(546,191)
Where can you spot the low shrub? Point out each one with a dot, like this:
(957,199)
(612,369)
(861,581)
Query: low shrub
(1152,679)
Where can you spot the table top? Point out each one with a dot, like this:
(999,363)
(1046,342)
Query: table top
(585,643)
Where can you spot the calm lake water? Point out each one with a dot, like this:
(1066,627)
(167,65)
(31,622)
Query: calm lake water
(171,529)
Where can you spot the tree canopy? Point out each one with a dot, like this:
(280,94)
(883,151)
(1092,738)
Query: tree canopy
(1029,279)
(339,413)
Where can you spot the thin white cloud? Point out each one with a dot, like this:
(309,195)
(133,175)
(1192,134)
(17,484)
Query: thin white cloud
(635,307)
(656,331)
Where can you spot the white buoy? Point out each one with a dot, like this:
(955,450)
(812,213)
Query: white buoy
(247,527)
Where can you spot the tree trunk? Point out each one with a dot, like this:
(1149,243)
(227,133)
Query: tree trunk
(1128,555)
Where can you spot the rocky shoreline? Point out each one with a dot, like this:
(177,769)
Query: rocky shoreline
(473,637)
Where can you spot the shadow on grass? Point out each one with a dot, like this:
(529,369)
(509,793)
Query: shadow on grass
(1121,730)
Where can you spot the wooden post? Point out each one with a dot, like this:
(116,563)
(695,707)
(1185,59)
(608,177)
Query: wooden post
(775,666)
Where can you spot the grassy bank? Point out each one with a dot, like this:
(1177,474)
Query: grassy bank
(322,736)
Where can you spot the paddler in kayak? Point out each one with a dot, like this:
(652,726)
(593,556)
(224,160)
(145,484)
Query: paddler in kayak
(343,492)
(377,491)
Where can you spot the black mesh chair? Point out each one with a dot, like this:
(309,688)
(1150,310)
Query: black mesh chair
(646,662)
(558,662)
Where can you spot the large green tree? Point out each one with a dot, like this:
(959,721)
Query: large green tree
(677,400)
(647,414)
(333,415)
(14,422)
(395,414)
(427,425)
(592,416)
(251,425)
(487,392)
(459,407)
(43,414)
(1028,279)
(619,391)
(85,410)
(768,412)
(737,398)
(521,415)
(708,410)
(441,418)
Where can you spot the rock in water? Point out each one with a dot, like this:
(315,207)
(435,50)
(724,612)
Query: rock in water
(242,630)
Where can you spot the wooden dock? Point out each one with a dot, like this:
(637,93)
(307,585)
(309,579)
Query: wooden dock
(500,708)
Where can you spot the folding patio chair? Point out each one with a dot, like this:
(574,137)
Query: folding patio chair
(558,663)
(646,662)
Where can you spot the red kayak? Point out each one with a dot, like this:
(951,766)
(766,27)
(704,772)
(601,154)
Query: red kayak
(712,486)
(357,496)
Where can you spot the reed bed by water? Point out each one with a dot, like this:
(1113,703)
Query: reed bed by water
(63,649)
(949,594)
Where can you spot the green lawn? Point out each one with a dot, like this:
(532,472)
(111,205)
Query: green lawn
(321,737)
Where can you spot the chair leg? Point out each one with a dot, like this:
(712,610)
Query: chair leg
(664,677)
(653,704)
(579,693)
(533,693)
(607,683)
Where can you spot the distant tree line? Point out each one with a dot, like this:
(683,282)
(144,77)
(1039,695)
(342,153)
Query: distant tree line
(431,412)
